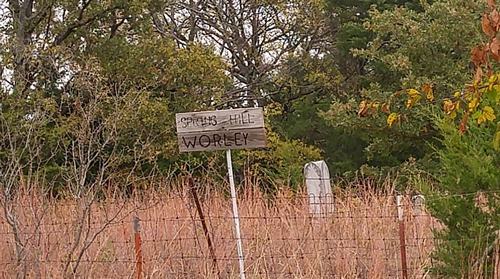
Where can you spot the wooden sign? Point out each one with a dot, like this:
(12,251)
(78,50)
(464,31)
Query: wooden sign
(221,129)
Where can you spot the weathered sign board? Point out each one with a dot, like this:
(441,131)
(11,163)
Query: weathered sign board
(318,188)
(221,129)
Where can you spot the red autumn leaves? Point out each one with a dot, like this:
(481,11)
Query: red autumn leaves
(490,24)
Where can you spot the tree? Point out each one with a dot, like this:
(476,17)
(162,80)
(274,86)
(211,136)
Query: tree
(466,202)
(255,37)
(469,167)
(135,64)
(35,28)
(425,49)
(312,81)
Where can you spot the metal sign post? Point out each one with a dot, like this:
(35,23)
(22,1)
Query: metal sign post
(236,215)
(223,130)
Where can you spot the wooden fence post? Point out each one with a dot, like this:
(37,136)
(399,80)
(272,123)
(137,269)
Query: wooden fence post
(138,248)
(402,238)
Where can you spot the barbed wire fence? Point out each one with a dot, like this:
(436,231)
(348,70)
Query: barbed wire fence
(362,237)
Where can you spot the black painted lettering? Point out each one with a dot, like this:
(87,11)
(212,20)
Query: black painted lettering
(227,141)
(213,120)
(249,116)
(199,121)
(233,118)
(217,140)
(184,122)
(190,142)
(204,121)
(243,119)
(237,139)
(204,141)
(245,137)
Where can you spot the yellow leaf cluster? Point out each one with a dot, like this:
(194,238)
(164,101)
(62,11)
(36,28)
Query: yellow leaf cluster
(428,91)
(413,97)
(367,107)
(450,107)
(488,114)
(492,81)
(392,118)
(496,141)
(473,104)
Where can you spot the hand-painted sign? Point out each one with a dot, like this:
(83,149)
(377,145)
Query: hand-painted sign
(220,130)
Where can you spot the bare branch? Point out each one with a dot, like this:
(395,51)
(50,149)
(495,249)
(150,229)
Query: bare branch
(80,22)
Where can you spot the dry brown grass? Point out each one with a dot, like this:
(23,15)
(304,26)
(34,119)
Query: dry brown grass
(281,239)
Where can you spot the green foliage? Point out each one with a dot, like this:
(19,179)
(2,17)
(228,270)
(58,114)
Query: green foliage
(185,78)
(119,70)
(166,80)
(280,164)
(430,45)
(351,14)
(409,47)
(26,145)
(469,177)
(310,85)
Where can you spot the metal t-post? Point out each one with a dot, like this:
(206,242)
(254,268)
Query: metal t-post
(236,216)
(402,237)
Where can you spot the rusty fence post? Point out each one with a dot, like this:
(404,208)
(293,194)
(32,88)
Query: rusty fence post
(204,226)
(138,247)
(402,238)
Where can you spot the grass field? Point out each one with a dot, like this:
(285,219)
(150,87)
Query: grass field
(95,239)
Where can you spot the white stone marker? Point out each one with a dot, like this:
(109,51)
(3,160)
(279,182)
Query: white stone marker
(318,188)
(418,202)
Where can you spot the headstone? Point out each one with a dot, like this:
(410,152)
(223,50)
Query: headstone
(319,190)
(418,202)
